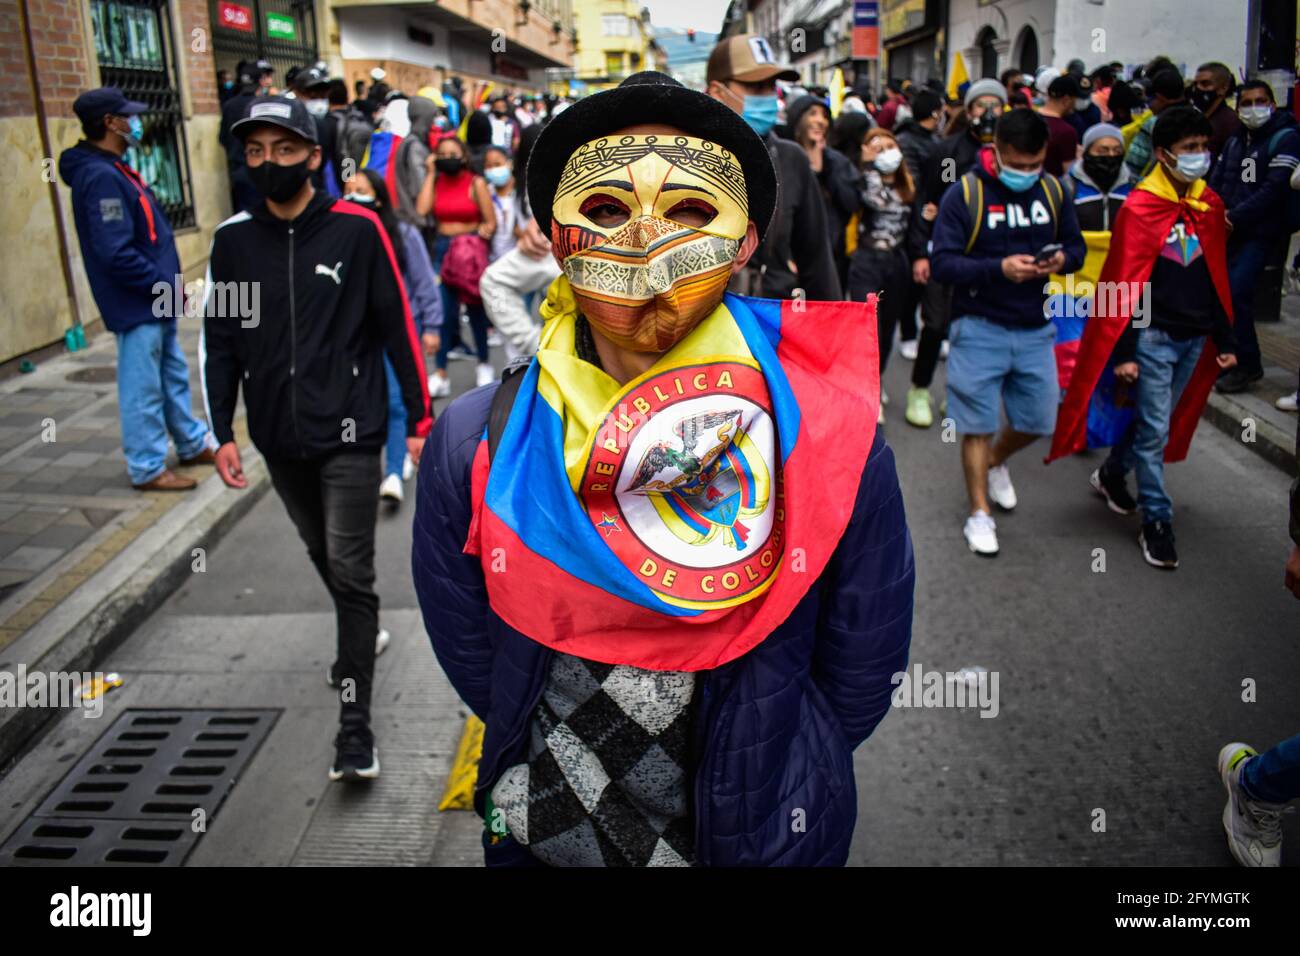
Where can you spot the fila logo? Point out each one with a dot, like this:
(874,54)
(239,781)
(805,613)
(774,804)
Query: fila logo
(324,270)
(1014,216)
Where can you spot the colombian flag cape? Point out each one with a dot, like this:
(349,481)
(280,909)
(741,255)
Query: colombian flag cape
(672,523)
(1141,227)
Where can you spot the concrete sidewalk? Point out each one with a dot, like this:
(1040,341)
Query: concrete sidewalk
(1274,430)
(83,555)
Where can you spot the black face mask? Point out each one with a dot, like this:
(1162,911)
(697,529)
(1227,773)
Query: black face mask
(1201,99)
(279,183)
(1102,170)
(449,165)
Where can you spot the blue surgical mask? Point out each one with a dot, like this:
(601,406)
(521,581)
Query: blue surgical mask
(1192,166)
(760,113)
(360,198)
(498,176)
(1018,181)
(134,133)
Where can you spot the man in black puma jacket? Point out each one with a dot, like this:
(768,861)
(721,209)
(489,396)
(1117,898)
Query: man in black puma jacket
(304,299)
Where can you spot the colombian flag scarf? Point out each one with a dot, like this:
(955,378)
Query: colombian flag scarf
(1141,227)
(673,522)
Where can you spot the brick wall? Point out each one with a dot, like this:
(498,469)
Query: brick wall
(57,30)
(198,65)
(15,97)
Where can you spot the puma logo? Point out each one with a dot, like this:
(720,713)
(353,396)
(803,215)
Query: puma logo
(324,270)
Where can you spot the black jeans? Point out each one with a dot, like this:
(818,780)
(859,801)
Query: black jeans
(936,305)
(334,502)
(889,273)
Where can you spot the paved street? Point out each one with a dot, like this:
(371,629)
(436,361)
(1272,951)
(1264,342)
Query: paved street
(1116,689)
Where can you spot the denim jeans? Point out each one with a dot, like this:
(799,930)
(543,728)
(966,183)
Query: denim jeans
(395,449)
(153,400)
(1164,367)
(1246,261)
(1274,776)
(333,501)
(451,313)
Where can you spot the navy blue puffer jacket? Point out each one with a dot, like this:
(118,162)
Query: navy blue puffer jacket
(777,726)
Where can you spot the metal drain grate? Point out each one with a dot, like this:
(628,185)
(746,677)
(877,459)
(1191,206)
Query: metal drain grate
(131,799)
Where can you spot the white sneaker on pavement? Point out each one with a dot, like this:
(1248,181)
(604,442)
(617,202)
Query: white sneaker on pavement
(439,386)
(382,640)
(907,349)
(494,339)
(1254,828)
(390,489)
(981,534)
(484,374)
(1000,488)
(408,468)
(1289,403)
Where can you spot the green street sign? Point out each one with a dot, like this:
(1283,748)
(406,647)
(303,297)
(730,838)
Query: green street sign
(280,26)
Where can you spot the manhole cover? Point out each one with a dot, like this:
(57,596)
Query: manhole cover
(132,798)
(95,375)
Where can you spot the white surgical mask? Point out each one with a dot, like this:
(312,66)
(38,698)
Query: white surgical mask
(317,107)
(1255,116)
(888,160)
(1081,104)
(1192,166)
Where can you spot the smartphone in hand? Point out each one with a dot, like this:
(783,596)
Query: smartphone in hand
(1045,254)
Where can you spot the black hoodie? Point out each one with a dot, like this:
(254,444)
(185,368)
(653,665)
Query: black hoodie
(310,356)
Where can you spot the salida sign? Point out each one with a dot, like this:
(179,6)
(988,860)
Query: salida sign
(234,17)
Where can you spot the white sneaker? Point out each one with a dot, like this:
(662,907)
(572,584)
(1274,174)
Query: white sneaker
(408,468)
(391,489)
(382,640)
(1289,403)
(907,349)
(494,339)
(981,534)
(1000,490)
(439,386)
(484,374)
(943,350)
(1254,828)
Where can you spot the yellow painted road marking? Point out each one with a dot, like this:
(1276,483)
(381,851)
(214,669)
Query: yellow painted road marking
(459,794)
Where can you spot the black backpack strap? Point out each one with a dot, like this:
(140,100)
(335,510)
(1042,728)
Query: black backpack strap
(503,402)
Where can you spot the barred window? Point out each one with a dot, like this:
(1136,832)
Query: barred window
(133,43)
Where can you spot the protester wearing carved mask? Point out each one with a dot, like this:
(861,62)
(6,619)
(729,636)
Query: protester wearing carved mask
(600,544)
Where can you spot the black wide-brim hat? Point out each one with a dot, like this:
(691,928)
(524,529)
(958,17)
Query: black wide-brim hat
(650,97)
